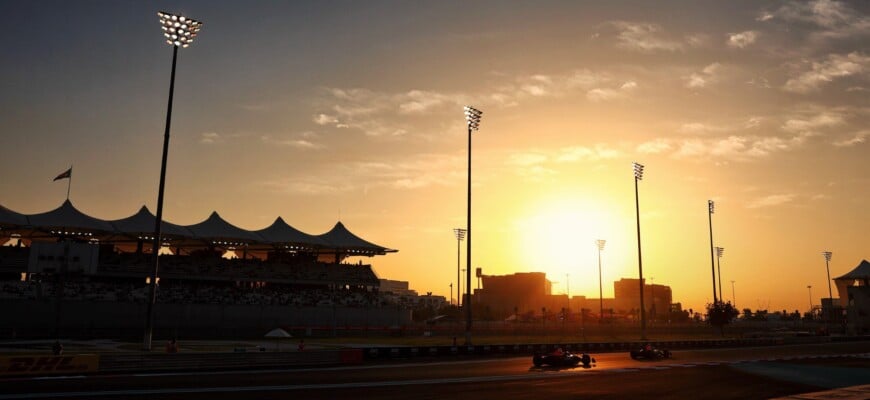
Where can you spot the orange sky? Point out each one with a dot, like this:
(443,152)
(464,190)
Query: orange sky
(353,111)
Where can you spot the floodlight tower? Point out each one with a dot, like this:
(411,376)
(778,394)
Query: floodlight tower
(600,243)
(828,255)
(719,252)
(810,289)
(638,175)
(710,208)
(472,119)
(179,32)
(460,234)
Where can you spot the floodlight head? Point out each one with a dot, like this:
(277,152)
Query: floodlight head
(638,171)
(827,255)
(711,206)
(472,117)
(178,29)
(720,251)
(460,233)
(600,243)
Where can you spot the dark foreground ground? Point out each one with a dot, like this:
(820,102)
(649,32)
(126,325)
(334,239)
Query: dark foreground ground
(744,373)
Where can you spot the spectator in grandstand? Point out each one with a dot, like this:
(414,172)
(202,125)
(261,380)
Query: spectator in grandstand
(172,346)
(301,344)
(57,348)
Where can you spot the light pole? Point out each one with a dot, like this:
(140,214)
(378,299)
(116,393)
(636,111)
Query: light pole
(472,119)
(828,255)
(179,32)
(719,252)
(638,175)
(733,297)
(568,287)
(460,234)
(710,207)
(600,243)
(652,295)
(810,289)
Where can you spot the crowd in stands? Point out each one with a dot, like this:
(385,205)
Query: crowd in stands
(186,292)
(307,271)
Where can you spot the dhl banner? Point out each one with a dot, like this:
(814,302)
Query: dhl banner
(48,365)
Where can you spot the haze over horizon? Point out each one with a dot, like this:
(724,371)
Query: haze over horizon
(352,111)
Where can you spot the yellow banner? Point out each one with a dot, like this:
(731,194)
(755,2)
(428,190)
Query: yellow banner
(48,365)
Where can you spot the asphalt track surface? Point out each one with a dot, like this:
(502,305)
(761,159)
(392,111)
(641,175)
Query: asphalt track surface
(744,373)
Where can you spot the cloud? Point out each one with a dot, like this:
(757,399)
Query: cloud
(210,138)
(293,142)
(829,19)
(654,147)
(771,201)
(323,119)
(418,101)
(707,76)
(821,73)
(604,94)
(643,37)
(753,122)
(307,186)
(812,124)
(730,146)
(581,153)
(735,147)
(697,128)
(742,39)
(856,139)
(395,114)
(414,172)
(697,40)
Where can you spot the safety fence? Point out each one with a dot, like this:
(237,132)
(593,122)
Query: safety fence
(374,353)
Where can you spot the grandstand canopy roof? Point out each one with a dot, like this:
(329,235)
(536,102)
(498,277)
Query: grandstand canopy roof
(68,217)
(213,231)
(340,237)
(11,218)
(281,232)
(143,223)
(217,228)
(862,271)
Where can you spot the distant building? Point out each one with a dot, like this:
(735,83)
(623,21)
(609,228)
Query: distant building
(594,305)
(398,288)
(521,293)
(529,293)
(657,298)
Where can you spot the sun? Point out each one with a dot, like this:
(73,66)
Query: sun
(559,238)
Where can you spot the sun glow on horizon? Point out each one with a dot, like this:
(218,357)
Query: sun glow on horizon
(559,238)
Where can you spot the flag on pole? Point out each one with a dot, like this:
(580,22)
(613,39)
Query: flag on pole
(64,175)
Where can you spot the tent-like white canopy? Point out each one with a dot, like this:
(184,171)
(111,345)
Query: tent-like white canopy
(68,218)
(142,223)
(859,276)
(214,231)
(281,232)
(9,218)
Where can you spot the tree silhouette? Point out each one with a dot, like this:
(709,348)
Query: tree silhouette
(720,314)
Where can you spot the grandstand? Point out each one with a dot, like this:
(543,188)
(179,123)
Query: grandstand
(81,263)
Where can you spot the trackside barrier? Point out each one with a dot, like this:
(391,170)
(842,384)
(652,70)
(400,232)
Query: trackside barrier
(226,361)
(374,353)
(21,365)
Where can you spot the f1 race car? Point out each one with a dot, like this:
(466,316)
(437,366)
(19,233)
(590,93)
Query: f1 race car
(562,359)
(648,352)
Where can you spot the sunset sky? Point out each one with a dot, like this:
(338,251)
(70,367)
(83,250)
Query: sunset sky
(320,111)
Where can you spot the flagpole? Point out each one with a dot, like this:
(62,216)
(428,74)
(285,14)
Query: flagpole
(69,182)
